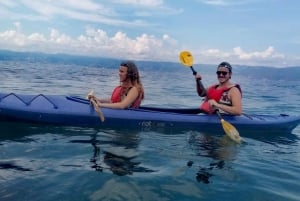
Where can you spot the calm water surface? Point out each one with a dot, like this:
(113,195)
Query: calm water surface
(70,163)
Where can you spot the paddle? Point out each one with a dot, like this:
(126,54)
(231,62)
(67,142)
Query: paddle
(186,58)
(96,106)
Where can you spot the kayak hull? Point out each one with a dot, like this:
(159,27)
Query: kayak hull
(76,111)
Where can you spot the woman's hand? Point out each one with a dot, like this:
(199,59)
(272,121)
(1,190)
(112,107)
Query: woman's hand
(95,99)
(92,96)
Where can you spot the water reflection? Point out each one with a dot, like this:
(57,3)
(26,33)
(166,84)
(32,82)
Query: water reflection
(5,165)
(115,151)
(220,149)
(284,139)
(215,147)
(18,131)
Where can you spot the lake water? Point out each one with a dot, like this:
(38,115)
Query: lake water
(71,163)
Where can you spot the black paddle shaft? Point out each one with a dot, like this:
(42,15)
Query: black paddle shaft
(194,72)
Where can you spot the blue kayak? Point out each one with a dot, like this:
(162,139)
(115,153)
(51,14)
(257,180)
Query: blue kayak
(77,111)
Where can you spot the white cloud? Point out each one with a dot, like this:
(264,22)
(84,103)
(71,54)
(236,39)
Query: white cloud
(96,42)
(65,7)
(36,37)
(268,53)
(78,10)
(59,38)
(138,29)
(112,13)
(86,11)
(226,2)
(269,56)
(215,53)
(151,3)
(8,3)
(213,2)
(12,38)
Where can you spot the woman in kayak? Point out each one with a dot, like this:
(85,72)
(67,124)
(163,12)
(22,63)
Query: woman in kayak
(224,96)
(130,92)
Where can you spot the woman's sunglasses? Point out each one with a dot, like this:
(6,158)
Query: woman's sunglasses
(221,73)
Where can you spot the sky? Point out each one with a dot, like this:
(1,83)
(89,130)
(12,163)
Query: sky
(244,32)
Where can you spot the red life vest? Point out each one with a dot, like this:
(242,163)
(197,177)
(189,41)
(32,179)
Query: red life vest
(215,93)
(116,97)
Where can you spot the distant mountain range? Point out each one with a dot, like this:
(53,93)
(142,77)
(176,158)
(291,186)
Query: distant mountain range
(257,72)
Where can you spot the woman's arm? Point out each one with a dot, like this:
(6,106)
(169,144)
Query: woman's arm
(92,96)
(104,100)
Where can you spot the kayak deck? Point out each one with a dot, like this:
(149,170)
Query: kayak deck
(77,111)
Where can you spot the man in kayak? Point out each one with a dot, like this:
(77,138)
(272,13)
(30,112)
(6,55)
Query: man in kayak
(130,92)
(224,96)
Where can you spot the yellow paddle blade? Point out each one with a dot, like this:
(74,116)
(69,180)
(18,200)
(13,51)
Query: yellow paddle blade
(231,131)
(186,58)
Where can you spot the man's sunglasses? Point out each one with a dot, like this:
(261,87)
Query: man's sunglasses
(221,72)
